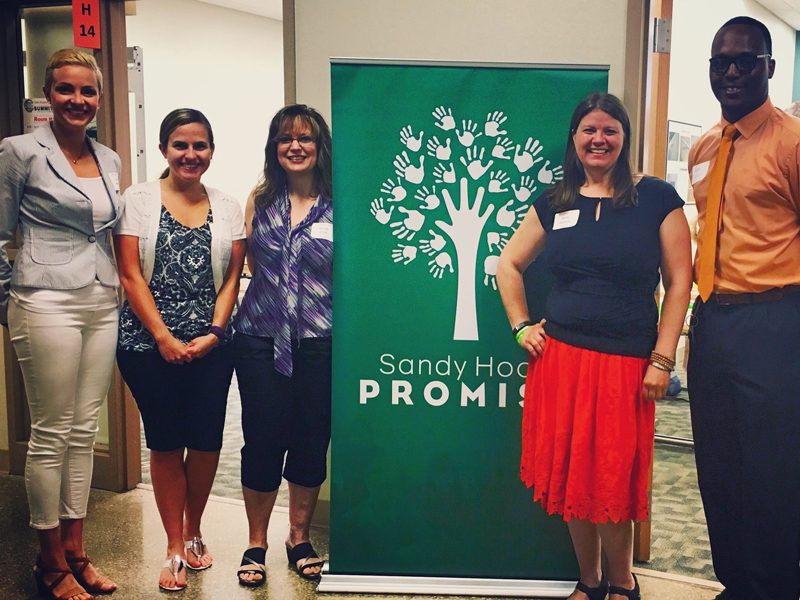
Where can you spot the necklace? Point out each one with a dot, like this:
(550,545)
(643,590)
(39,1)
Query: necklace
(74,161)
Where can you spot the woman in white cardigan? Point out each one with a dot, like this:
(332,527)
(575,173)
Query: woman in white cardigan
(181,248)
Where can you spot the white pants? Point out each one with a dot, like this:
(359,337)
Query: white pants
(66,360)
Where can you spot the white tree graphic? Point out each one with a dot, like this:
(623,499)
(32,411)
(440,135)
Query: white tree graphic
(474,184)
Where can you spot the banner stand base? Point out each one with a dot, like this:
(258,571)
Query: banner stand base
(456,586)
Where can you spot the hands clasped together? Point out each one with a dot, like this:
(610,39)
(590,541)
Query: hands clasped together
(176,352)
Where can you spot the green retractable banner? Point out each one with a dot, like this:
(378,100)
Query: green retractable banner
(435,165)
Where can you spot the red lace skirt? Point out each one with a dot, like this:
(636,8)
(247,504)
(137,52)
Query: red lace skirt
(587,434)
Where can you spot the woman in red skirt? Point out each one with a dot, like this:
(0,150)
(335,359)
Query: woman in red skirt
(599,358)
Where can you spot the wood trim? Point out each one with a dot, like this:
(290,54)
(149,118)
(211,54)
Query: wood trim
(653,156)
(4,461)
(636,76)
(10,70)
(289,54)
(118,465)
(654,160)
(16,404)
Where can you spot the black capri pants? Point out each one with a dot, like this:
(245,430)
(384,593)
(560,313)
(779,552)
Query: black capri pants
(284,417)
(182,405)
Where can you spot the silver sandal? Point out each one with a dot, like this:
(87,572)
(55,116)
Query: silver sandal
(197,547)
(175,565)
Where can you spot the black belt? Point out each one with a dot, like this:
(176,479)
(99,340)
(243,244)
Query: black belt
(755,297)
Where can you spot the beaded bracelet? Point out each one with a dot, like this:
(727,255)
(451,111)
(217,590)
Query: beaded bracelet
(661,367)
(663,360)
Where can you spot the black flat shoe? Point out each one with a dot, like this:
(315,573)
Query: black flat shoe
(594,593)
(634,594)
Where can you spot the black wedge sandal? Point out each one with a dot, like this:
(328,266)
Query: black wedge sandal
(302,558)
(594,593)
(634,594)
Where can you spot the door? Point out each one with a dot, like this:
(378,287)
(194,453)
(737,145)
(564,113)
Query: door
(31,31)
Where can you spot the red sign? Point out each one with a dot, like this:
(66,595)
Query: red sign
(86,23)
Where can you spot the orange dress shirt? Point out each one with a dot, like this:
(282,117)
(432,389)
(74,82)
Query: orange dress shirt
(759,234)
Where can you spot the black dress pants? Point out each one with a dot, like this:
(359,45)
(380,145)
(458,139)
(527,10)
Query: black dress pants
(744,389)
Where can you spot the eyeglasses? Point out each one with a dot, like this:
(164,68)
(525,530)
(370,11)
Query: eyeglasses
(305,141)
(744,63)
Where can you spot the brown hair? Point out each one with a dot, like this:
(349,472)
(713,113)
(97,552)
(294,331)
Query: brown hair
(273,180)
(563,195)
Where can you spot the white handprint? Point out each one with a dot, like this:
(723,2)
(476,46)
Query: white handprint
(497,179)
(438,150)
(433,245)
(407,137)
(525,159)
(527,185)
(380,214)
(467,134)
(548,176)
(501,147)
(404,168)
(496,240)
(444,174)
(490,270)
(428,199)
(474,157)
(395,190)
(408,227)
(444,117)
(493,122)
(404,253)
(509,218)
(438,264)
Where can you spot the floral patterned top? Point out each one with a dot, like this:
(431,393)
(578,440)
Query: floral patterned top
(182,285)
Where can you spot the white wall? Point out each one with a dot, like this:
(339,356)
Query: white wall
(532,31)
(693,27)
(226,63)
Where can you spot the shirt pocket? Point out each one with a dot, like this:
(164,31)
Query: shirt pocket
(51,247)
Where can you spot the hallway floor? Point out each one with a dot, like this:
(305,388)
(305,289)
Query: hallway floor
(124,536)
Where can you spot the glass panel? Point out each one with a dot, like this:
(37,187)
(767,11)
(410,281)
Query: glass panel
(45,30)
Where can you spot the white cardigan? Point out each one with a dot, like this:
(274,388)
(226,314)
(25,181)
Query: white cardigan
(142,213)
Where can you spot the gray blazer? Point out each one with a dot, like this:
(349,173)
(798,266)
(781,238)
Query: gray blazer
(40,194)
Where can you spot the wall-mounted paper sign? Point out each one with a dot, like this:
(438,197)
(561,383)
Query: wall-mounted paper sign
(86,23)
(36,113)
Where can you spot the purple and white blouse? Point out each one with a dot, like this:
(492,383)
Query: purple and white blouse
(290,295)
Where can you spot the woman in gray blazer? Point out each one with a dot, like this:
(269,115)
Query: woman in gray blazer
(60,190)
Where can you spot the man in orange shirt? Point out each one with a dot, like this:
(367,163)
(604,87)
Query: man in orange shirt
(744,383)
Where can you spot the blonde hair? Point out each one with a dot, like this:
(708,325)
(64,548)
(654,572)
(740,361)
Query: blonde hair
(71,56)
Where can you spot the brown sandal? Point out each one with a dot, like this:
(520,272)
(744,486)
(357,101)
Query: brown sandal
(46,589)
(78,565)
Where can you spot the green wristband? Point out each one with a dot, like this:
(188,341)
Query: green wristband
(521,333)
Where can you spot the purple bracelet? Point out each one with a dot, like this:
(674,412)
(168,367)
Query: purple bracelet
(217,331)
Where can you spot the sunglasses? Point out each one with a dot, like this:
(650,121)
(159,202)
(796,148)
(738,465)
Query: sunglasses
(744,63)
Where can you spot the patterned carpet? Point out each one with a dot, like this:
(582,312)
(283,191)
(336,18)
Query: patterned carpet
(679,536)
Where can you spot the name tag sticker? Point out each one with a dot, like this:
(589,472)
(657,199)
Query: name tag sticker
(114,177)
(700,171)
(322,231)
(566,219)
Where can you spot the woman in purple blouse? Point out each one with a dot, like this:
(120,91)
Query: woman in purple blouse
(282,346)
